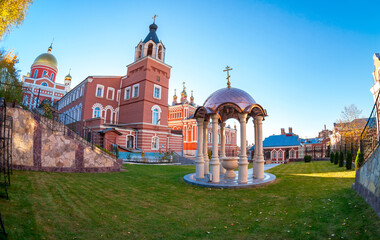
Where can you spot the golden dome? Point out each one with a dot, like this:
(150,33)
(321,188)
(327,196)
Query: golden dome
(68,77)
(46,59)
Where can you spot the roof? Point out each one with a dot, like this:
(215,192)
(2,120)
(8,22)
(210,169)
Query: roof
(109,130)
(311,140)
(152,34)
(281,140)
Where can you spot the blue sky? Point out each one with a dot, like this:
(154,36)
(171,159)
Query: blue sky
(301,60)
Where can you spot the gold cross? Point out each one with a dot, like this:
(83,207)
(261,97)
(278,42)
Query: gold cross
(228,76)
(154,18)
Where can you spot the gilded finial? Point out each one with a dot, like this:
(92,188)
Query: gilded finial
(154,18)
(51,46)
(228,76)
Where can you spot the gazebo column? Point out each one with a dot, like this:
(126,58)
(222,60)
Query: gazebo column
(205,147)
(214,158)
(199,163)
(259,145)
(254,168)
(243,162)
(222,146)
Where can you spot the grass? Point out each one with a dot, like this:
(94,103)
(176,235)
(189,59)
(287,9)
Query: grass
(310,201)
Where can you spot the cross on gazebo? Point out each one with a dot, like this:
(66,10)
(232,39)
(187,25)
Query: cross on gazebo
(154,18)
(228,76)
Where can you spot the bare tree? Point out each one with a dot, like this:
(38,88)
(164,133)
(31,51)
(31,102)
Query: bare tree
(349,114)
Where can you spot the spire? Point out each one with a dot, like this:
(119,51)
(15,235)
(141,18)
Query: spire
(152,32)
(174,98)
(192,98)
(51,46)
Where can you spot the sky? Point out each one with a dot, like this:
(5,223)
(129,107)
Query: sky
(303,61)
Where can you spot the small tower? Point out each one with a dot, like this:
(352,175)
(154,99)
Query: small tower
(151,46)
(68,82)
(184,94)
(174,98)
(192,99)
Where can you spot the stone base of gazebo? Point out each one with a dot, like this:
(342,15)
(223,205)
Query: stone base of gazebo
(231,183)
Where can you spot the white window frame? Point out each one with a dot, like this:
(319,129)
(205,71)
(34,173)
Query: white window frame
(113,93)
(156,107)
(127,96)
(96,92)
(118,95)
(282,154)
(159,91)
(138,90)
(157,143)
(44,73)
(274,154)
(100,112)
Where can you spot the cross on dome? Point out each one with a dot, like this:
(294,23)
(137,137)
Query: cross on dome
(228,76)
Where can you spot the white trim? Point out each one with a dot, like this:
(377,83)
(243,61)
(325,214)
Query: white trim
(118,95)
(113,93)
(159,91)
(127,97)
(156,107)
(96,91)
(138,90)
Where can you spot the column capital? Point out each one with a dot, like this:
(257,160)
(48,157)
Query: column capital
(222,124)
(200,120)
(258,118)
(242,117)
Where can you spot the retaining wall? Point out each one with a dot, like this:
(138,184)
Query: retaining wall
(38,148)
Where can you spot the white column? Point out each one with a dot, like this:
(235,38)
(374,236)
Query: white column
(256,143)
(222,146)
(243,162)
(199,163)
(205,147)
(214,158)
(259,156)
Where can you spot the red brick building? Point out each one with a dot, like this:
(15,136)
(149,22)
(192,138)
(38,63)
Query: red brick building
(130,110)
(40,82)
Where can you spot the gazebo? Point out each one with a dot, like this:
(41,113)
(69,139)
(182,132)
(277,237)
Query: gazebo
(220,106)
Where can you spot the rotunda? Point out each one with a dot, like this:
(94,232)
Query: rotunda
(224,104)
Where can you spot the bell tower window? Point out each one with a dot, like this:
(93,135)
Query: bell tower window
(160,52)
(150,49)
(139,51)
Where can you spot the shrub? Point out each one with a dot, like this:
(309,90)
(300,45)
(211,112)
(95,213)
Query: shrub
(359,159)
(307,158)
(336,158)
(349,160)
(332,156)
(341,159)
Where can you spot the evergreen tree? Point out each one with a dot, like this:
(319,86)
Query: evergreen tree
(349,160)
(341,159)
(336,158)
(332,156)
(359,159)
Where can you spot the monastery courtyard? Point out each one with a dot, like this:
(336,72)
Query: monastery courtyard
(309,201)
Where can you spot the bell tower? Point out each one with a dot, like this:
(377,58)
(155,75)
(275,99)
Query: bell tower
(144,90)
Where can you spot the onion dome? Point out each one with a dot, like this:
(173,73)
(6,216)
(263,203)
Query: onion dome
(175,94)
(68,77)
(152,34)
(192,97)
(47,59)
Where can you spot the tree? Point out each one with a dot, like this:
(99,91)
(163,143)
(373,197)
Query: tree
(332,156)
(359,159)
(336,158)
(350,127)
(341,159)
(10,87)
(349,160)
(12,14)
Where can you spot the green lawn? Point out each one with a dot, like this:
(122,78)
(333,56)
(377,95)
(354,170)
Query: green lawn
(309,201)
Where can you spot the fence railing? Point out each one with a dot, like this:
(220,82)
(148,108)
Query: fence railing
(6,128)
(369,138)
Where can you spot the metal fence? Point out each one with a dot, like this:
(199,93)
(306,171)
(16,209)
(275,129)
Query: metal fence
(6,128)
(369,138)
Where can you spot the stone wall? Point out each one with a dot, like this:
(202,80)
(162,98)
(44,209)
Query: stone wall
(367,183)
(36,147)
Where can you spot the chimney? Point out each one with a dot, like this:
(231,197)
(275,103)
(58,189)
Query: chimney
(290,130)
(282,131)
(325,126)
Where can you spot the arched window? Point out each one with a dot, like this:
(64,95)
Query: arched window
(150,49)
(96,112)
(139,51)
(130,141)
(25,100)
(155,144)
(44,73)
(156,112)
(44,84)
(35,74)
(160,52)
(52,76)
(292,154)
(274,155)
(280,155)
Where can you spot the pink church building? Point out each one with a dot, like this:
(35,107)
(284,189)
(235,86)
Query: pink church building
(130,110)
